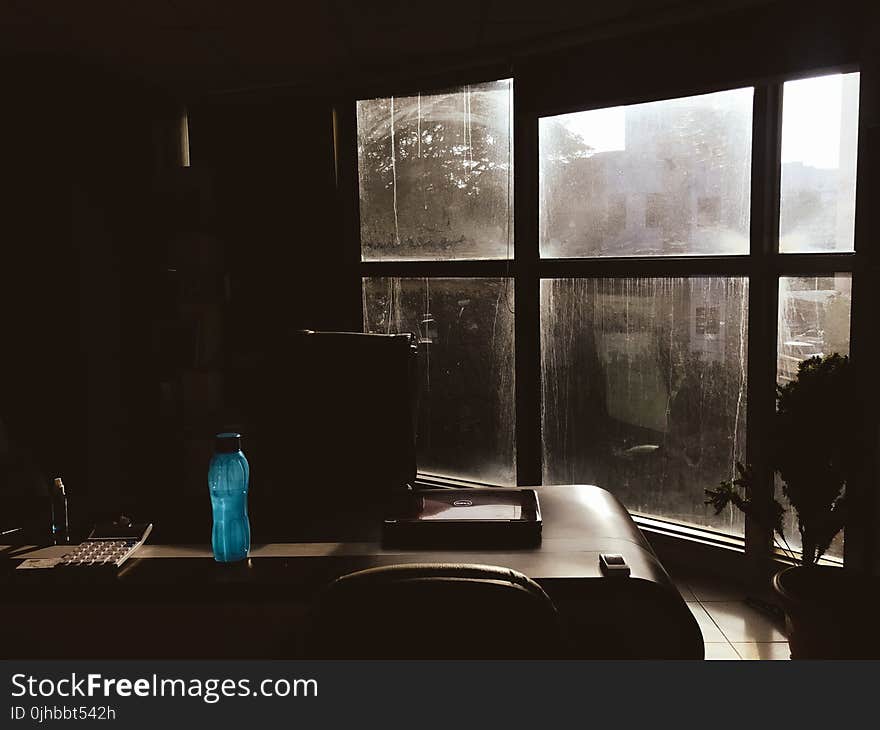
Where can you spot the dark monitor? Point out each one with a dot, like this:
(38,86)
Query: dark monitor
(334,420)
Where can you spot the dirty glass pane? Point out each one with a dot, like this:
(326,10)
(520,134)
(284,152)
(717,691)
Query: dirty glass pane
(466,397)
(820,124)
(658,179)
(814,319)
(435,174)
(644,389)
(814,314)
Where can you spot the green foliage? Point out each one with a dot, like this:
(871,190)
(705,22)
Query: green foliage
(434,169)
(812,449)
(739,493)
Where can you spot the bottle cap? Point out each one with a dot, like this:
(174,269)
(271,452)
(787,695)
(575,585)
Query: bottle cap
(227,443)
(59,484)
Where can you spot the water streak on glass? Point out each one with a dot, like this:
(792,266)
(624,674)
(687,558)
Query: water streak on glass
(664,178)
(644,389)
(820,125)
(466,379)
(435,174)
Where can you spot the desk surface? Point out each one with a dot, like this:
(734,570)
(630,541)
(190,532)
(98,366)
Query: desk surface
(173,594)
(580,521)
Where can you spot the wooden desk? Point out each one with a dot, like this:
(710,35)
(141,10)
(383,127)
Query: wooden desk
(176,601)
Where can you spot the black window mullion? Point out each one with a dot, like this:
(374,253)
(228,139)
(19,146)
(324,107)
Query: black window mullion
(763,312)
(861,548)
(815,264)
(527,294)
(649,266)
(344,130)
(436,269)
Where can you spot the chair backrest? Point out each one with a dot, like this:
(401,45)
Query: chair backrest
(434,611)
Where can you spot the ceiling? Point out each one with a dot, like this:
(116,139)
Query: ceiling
(186,45)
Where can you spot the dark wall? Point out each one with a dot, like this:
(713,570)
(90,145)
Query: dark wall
(734,49)
(272,168)
(244,249)
(40,368)
(77,166)
(140,297)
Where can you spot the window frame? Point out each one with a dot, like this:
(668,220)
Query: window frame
(763,266)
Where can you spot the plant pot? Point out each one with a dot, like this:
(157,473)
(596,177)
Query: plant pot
(829,613)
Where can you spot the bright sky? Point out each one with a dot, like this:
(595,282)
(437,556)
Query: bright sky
(811,122)
(602,129)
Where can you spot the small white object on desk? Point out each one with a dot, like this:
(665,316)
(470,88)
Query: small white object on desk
(38,563)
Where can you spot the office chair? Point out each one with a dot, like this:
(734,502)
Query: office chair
(434,611)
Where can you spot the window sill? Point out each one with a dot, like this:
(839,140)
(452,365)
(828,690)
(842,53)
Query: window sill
(674,542)
(437,481)
(720,540)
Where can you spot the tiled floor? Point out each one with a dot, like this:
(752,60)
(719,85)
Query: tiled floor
(732,628)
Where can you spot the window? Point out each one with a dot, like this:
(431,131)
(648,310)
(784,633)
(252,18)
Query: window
(435,185)
(655,210)
(817,215)
(707,323)
(667,158)
(615,223)
(466,388)
(814,313)
(644,388)
(435,176)
(628,313)
(708,211)
(814,319)
(644,379)
(820,118)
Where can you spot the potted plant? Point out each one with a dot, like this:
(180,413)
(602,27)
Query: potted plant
(813,449)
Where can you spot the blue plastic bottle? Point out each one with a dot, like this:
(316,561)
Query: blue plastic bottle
(228,475)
